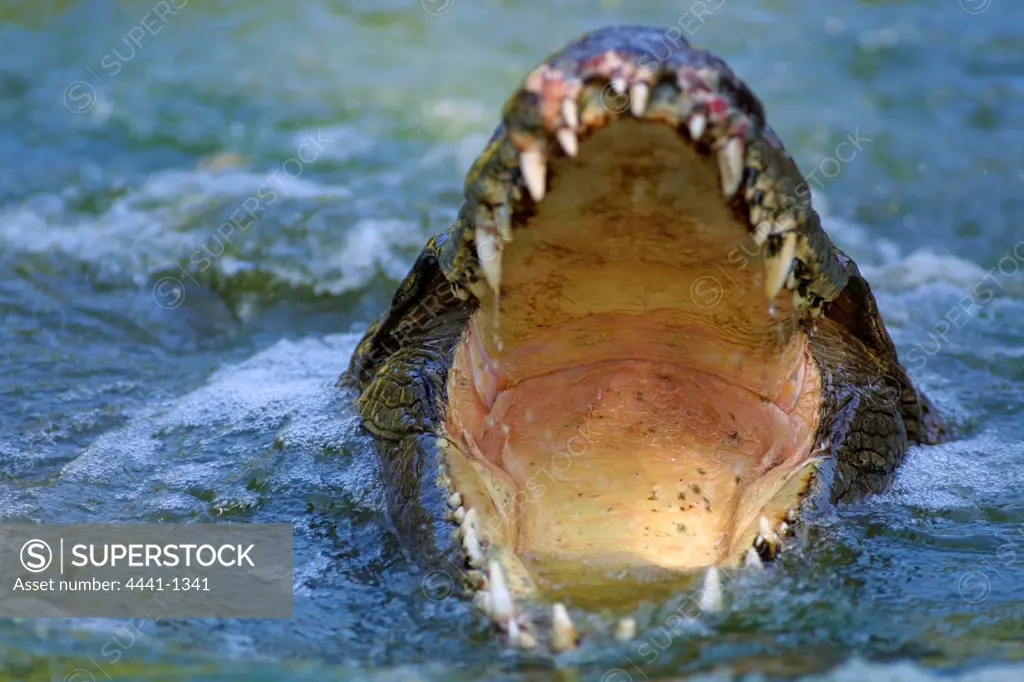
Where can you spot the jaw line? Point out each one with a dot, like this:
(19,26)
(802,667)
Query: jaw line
(487,367)
(549,125)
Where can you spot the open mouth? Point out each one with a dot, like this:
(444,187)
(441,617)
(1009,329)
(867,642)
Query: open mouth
(634,357)
(635,392)
(630,396)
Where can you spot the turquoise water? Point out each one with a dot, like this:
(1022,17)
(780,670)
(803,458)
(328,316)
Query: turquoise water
(155,371)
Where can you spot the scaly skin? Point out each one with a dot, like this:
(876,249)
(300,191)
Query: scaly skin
(869,409)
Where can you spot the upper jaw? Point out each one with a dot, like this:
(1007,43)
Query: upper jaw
(623,72)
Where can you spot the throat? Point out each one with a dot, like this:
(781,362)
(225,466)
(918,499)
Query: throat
(630,462)
(624,398)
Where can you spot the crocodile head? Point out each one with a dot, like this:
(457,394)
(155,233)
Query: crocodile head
(636,351)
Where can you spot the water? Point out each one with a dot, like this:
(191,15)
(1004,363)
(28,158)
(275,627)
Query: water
(155,369)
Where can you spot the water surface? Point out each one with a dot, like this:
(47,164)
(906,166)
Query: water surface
(157,371)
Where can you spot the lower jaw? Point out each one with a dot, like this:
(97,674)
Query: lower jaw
(639,470)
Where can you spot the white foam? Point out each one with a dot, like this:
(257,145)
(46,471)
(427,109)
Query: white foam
(308,573)
(462,153)
(856,240)
(286,391)
(459,113)
(957,474)
(857,670)
(924,267)
(340,142)
(148,228)
(367,246)
(887,268)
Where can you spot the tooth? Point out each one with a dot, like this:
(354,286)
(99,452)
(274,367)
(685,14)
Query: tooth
(730,166)
(783,528)
(475,579)
(764,527)
(784,223)
(570,114)
(459,515)
(711,593)
(455,501)
(567,138)
(762,231)
(488,254)
(619,86)
(791,515)
(533,166)
(625,629)
(777,268)
(504,222)
(563,634)
(698,122)
(474,553)
(500,608)
(640,96)
(767,538)
(513,633)
(756,215)
(469,522)
(526,640)
(752,560)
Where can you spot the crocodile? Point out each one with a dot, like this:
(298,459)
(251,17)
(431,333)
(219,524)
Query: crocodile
(635,358)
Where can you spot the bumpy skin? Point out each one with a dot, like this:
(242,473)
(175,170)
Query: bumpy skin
(870,410)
